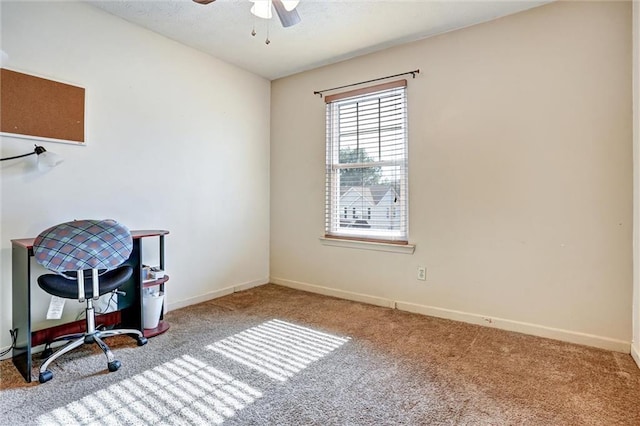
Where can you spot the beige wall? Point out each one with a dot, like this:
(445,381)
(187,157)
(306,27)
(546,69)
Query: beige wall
(168,147)
(520,177)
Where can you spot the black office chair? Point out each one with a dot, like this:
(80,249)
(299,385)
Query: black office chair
(71,250)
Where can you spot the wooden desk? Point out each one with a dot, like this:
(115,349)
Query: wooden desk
(128,315)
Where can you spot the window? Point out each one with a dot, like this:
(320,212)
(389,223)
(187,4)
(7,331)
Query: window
(367,163)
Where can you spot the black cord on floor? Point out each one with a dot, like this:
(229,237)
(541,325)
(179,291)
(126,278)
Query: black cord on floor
(14,336)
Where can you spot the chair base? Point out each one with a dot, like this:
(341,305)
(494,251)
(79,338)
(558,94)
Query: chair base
(92,335)
(77,340)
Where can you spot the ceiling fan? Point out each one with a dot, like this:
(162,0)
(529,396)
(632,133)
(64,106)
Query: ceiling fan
(286,10)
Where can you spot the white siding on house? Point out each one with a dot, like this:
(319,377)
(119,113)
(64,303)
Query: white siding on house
(359,207)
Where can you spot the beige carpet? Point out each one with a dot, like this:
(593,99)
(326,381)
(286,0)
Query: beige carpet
(277,356)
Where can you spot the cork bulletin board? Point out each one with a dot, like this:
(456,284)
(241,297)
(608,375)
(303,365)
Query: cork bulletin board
(38,108)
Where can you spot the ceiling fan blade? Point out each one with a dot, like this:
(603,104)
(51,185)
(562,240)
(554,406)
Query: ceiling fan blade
(287,17)
(204,1)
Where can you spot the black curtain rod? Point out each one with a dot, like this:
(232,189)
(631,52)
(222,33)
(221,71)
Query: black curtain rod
(413,73)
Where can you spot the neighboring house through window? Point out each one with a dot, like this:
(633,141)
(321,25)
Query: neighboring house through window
(367,164)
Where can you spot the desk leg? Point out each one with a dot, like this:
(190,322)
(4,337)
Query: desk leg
(131,304)
(21,309)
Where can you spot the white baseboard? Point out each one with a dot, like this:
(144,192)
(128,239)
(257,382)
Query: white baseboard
(635,353)
(214,294)
(250,284)
(500,323)
(341,294)
(520,327)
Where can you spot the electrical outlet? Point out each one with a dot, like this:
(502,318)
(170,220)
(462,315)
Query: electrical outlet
(422,273)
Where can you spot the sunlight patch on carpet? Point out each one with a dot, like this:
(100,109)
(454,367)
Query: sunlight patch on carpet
(182,389)
(277,348)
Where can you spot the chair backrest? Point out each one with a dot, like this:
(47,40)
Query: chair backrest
(83,244)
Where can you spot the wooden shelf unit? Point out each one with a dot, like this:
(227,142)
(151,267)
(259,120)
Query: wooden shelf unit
(128,315)
(162,324)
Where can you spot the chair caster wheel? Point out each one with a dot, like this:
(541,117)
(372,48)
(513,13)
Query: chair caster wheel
(142,341)
(45,376)
(46,353)
(114,365)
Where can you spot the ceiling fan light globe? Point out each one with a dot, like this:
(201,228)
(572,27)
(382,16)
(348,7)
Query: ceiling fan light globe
(262,9)
(290,4)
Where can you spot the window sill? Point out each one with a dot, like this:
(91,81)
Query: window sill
(368,245)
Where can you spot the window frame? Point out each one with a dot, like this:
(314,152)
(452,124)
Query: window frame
(333,225)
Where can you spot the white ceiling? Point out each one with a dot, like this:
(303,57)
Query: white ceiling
(330,31)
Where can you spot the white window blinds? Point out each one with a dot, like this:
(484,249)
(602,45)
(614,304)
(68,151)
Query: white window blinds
(366,170)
